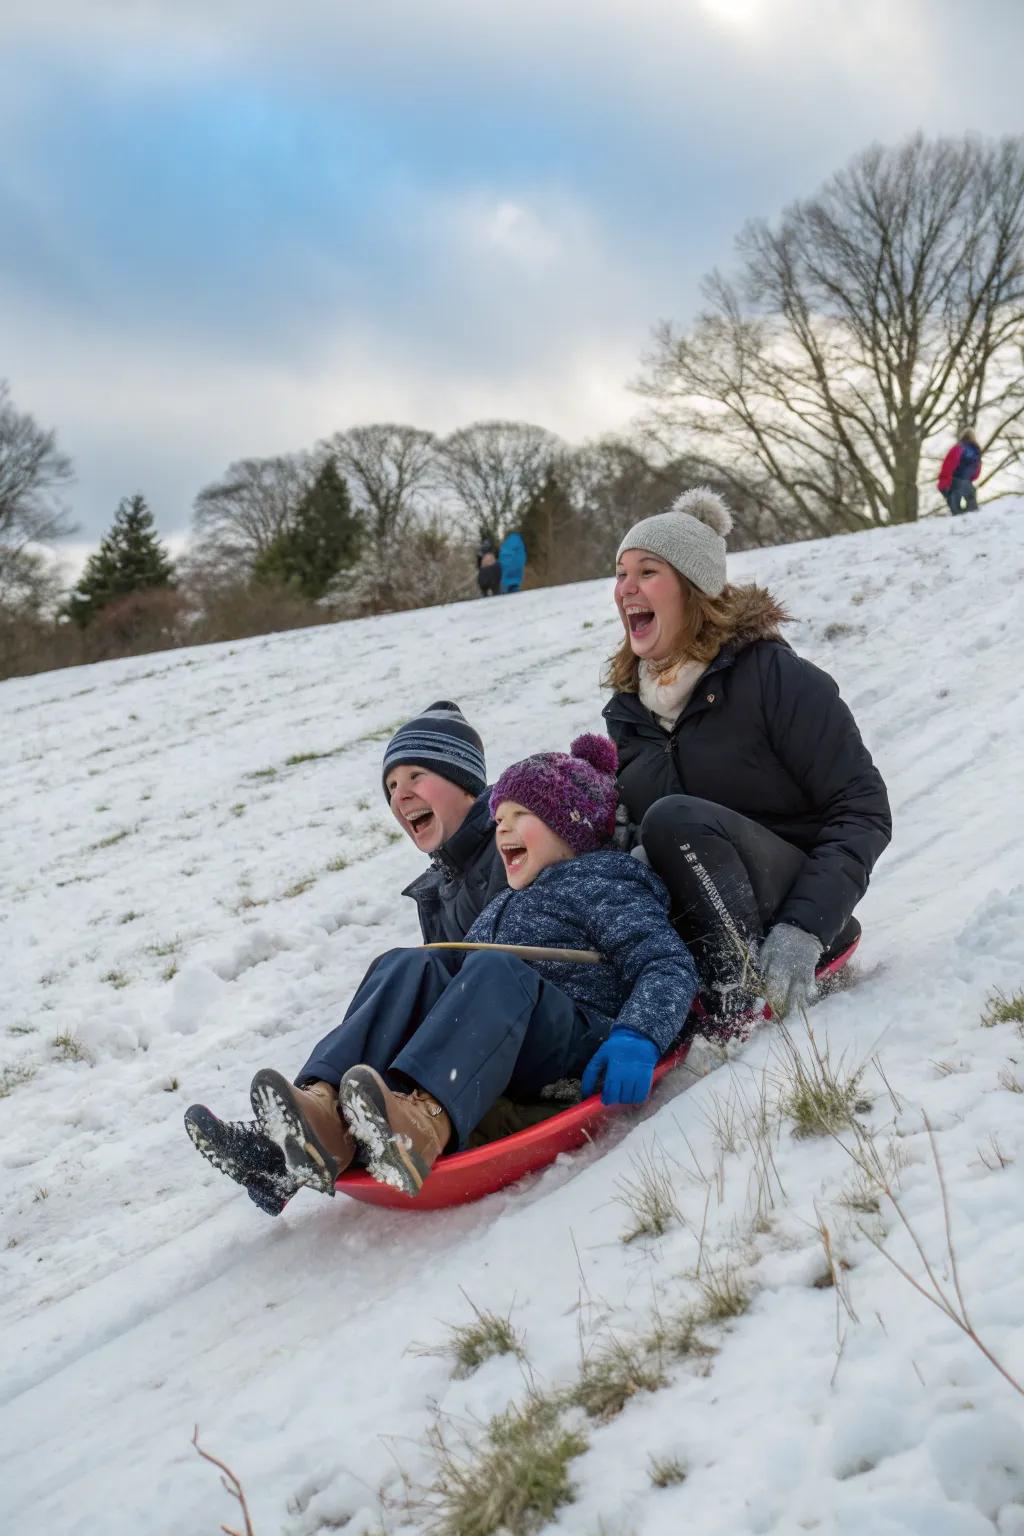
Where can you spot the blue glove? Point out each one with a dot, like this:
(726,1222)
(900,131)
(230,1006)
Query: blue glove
(626,1061)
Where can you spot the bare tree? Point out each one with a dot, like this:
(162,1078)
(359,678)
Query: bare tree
(883,311)
(30,583)
(428,567)
(389,468)
(615,481)
(236,519)
(32,473)
(494,468)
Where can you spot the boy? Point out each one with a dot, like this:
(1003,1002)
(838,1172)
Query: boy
(435,780)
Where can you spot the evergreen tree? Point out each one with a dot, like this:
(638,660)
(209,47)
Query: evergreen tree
(130,559)
(323,538)
(550,527)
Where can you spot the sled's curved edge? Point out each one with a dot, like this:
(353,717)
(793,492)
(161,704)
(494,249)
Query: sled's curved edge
(467,1176)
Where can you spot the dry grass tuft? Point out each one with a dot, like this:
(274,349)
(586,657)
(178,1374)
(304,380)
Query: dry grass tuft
(666,1471)
(861,1195)
(513,1482)
(469,1344)
(649,1196)
(14,1075)
(818,1096)
(993,1155)
(722,1294)
(1003,1009)
(677,1337)
(69,1048)
(613,1374)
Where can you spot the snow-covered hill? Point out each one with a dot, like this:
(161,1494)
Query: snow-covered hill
(198,865)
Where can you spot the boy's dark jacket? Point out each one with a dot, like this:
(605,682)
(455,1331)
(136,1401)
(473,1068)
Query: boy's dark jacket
(466,872)
(612,903)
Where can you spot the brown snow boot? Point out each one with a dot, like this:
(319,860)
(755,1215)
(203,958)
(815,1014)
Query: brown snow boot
(306,1124)
(402,1134)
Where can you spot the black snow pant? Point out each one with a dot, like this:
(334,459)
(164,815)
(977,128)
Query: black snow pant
(727,877)
(467,1033)
(962,497)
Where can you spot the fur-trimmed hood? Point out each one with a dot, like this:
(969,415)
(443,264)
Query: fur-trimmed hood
(753,614)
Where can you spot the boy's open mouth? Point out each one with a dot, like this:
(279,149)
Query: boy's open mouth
(514,855)
(639,620)
(420,822)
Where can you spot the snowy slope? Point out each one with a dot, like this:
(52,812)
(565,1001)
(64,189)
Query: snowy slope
(182,905)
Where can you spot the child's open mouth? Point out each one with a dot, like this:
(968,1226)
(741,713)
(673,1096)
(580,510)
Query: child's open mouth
(640,621)
(420,822)
(514,855)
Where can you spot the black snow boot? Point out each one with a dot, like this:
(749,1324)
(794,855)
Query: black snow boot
(241,1150)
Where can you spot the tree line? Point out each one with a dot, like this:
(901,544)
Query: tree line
(817,386)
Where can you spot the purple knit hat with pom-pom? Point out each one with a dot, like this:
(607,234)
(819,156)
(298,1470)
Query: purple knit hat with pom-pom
(572,792)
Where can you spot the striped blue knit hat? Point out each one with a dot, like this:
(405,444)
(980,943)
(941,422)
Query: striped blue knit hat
(442,740)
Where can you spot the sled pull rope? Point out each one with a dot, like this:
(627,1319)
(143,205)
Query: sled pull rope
(527,951)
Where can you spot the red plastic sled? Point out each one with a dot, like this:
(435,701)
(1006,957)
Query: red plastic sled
(467,1176)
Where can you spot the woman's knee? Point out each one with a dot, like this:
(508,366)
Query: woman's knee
(675,816)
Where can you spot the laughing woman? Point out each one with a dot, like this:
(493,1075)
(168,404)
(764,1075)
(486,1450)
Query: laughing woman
(755,798)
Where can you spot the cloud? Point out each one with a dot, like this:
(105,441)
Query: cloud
(231,227)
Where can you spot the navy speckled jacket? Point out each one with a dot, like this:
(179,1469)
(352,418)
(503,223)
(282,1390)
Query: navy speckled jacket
(612,903)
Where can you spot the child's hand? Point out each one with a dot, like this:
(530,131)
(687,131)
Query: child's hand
(626,1061)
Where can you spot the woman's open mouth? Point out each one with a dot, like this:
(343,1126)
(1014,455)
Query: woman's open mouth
(514,855)
(640,621)
(420,822)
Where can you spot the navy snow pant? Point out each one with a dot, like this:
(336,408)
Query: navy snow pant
(467,1035)
(962,497)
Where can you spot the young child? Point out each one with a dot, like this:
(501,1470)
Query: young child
(431,1039)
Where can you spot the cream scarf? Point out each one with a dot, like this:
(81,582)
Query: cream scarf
(667,693)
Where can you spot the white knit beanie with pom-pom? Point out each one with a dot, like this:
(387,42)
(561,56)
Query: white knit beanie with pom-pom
(690,536)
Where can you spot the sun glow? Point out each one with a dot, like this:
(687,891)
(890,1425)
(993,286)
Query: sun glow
(739,15)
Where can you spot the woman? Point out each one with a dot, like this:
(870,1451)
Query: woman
(756,800)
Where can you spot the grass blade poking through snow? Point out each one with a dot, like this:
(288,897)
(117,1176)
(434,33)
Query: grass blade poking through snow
(649,1196)
(469,1344)
(513,1482)
(1003,1009)
(818,1096)
(950,1302)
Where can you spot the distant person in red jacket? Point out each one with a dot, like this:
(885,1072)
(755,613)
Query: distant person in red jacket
(960,468)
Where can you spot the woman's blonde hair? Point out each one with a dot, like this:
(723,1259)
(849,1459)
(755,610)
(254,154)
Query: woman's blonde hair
(967,436)
(708,622)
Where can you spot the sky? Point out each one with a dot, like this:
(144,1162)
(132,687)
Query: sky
(229,228)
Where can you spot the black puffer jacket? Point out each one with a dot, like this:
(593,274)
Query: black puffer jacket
(766,734)
(466,872)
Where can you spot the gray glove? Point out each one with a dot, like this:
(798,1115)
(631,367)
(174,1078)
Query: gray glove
(787,960)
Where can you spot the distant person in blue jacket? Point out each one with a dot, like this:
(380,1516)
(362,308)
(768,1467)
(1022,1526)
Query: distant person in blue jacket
(960,469)
(513,562)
